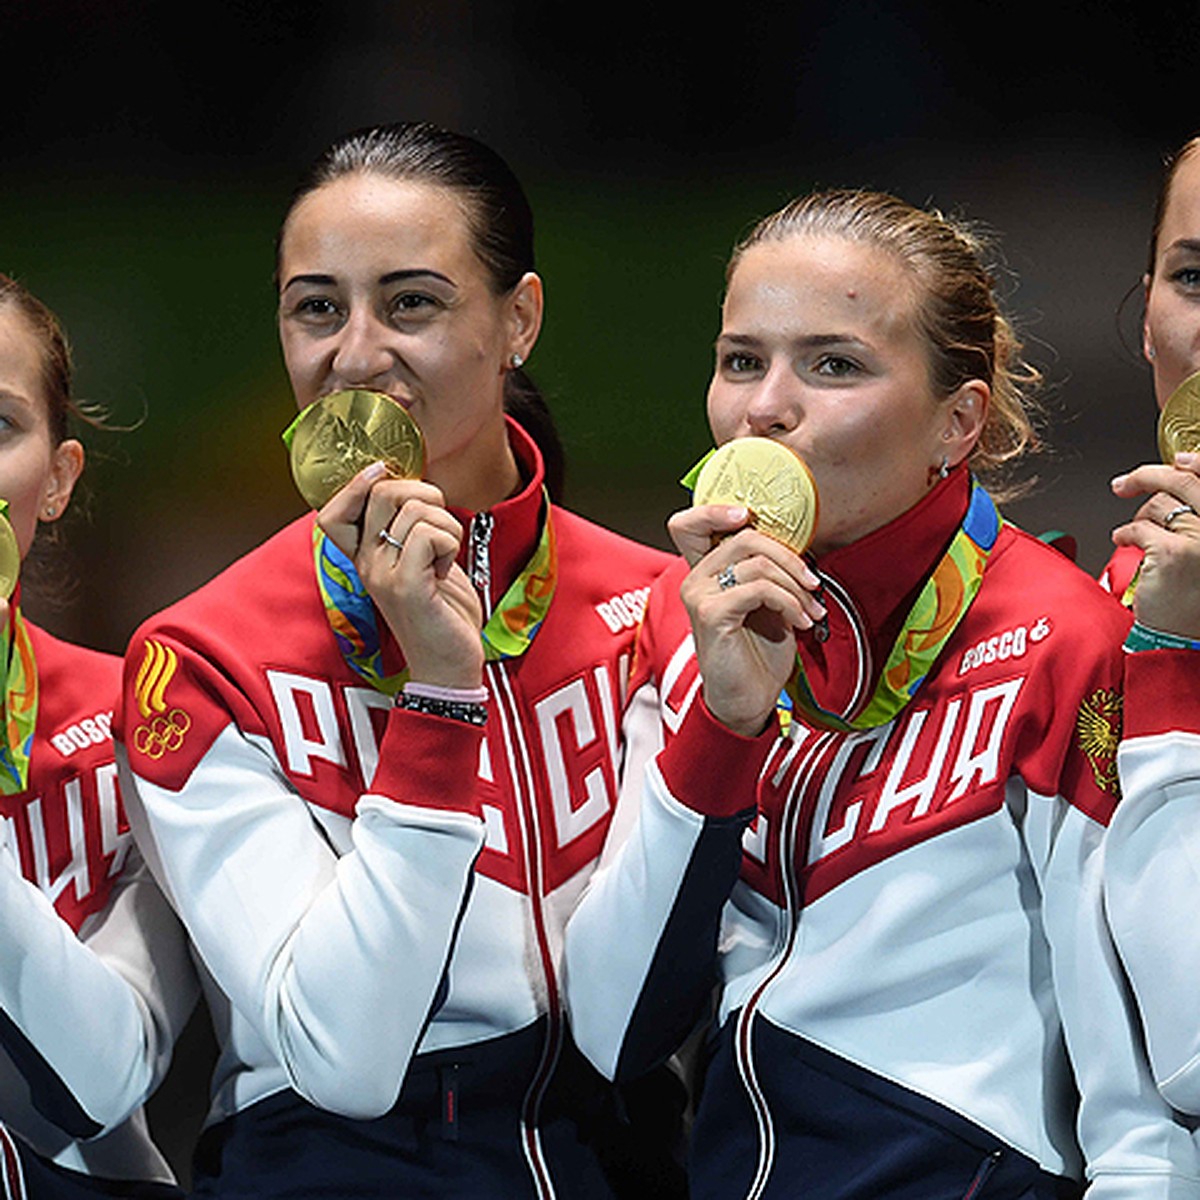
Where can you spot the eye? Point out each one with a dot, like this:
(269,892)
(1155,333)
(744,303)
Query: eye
(412,304)
(738,362)
(1187,277)
(836,366)
(315,309)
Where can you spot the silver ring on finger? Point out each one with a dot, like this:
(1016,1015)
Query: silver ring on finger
(386,538)
(726,578)
(1177,511)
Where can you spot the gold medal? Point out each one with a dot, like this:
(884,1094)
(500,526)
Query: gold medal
(340,434)
(1179,421)
(773,482)
(10,558)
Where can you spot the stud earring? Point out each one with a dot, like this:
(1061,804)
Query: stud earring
(517,361)
(1150,353)
(51,512)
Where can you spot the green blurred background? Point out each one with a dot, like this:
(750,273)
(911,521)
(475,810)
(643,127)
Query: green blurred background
(148,151)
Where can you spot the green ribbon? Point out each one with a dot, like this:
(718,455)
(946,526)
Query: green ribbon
(941,605)
(20,698)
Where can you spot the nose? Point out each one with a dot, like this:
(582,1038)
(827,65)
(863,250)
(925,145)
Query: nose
(362,353)
(774,405)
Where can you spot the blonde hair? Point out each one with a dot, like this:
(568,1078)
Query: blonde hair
(957,310)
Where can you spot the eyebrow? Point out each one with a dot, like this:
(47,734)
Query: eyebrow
(390,277)
(808,340)
(1190,244)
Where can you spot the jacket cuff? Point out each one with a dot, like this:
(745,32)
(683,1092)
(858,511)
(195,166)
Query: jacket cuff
(429,761)
(711,769)
(1162,692)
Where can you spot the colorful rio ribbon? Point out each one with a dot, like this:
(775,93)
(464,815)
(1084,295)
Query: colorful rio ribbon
(934,616)
(508,633)
(20,698)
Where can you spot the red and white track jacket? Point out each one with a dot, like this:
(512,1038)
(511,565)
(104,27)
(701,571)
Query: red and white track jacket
(95,981)
(334,858)
(921,900)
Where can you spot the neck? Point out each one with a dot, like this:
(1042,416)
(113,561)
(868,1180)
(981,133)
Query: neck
(480,478)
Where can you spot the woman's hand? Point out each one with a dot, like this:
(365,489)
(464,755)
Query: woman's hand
(424,595)
(1167,530)
(746,595)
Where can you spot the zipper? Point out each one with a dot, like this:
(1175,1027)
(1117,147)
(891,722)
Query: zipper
(479,556)
(520,771)
(988,1165)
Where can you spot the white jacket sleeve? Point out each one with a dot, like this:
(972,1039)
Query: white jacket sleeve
(336,960)
(1152,861)
(1132,1143)
(90,1021)
(673,856)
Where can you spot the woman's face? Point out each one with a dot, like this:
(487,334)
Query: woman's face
(1171,333)
(380,289)
(36,476)
(819,349)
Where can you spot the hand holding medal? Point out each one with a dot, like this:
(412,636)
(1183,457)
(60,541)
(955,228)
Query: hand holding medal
(358,456)
(1163,591)
(754,514)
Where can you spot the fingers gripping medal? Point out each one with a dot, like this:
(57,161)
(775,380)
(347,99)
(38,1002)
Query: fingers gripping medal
(337,436)
(1178,430)
(1179,421)
(767,478)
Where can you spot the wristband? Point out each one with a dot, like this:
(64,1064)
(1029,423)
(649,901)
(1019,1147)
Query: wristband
(1142,637)
(435,691)
(472,712)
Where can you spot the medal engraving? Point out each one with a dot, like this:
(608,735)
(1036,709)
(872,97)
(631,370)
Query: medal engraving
(773,482)
(340,434)
(1179,421)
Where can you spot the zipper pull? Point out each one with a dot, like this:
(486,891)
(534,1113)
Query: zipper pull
(481,567)
(821,627)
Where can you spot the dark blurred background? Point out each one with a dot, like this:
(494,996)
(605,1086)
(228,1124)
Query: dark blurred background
(148,151)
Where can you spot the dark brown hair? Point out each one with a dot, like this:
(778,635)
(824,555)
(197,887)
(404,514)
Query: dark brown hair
(498,216)
(1171,165)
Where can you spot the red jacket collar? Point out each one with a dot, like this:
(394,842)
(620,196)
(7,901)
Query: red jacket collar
(518,519)
(882,574)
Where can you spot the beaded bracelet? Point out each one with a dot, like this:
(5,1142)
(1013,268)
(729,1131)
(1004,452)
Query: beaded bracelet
(1142,637)
(472,712)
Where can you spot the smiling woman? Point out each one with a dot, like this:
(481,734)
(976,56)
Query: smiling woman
(393,735)
(878,778)
(382,289)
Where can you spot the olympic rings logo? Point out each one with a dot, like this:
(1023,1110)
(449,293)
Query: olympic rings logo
(163,734)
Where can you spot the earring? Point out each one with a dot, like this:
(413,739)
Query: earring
(1150,353)
(51,512)
(944,469)
(517,361)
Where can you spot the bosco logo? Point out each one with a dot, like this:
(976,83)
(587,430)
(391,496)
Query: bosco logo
(162,729)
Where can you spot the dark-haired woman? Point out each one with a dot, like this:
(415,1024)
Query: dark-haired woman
(896,891)
(391,733)
(94,977)
(1152,856)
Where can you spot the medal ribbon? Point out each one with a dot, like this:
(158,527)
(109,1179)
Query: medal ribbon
(943,602)
(509,631)
(20,706)
(19,717)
